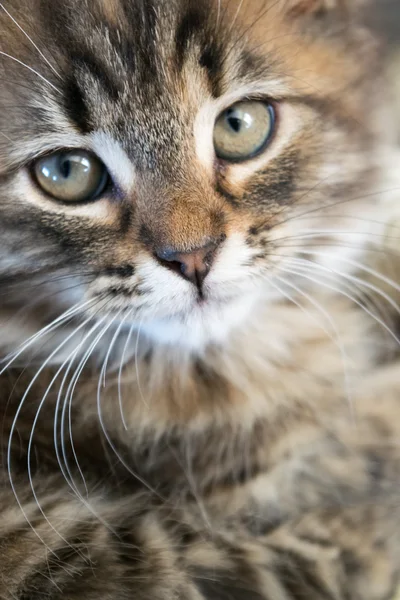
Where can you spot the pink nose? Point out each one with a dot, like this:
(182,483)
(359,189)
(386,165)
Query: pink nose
(193,266)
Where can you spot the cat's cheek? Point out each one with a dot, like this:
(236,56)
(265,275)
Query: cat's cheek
(231,264)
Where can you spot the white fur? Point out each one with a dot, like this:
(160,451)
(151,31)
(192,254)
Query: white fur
(115,158)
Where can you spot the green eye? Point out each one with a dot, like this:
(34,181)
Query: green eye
(71,176)
(243,130)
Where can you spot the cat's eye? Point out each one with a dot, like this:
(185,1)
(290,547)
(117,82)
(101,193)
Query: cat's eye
(243,130)
(71,176)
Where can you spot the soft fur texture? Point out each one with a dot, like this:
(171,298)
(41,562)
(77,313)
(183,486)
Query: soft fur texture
(158,445)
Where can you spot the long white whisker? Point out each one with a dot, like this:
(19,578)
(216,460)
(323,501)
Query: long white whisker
(188,473)
(102,376)
(137,365)
(218,14)
(359,284)
(31,40)
(350,297)
(236,15)
(68,400)
(50,327)
(313,266)
(335,330)
(114,449)
(355,264)
(112,344)
(316,209)
(312,233)
(14,424)
(121,366)
(67,473)
(29,451)
(32,70)
(347,217)
(67,476)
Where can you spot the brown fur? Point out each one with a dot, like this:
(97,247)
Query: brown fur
(261,465)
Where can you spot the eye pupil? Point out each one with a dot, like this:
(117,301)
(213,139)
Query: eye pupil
(65,168)
(235,123)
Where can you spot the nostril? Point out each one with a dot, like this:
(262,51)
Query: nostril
(172,265)
(176,266)
(221,239)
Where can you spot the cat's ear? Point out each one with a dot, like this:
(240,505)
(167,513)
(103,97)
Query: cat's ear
(321,7)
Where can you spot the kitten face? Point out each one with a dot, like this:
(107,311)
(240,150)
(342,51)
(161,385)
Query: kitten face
(182,239)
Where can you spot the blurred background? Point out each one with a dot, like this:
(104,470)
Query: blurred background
(384,15)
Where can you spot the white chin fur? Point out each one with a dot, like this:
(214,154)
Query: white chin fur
(203,325)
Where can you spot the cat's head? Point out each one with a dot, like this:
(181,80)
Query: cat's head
(170,164)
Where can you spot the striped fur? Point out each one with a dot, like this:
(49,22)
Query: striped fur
(160,448)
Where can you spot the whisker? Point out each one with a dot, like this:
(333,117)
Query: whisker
(31,41)
(191,480)
(310,234)
(44,272)
(5,136)
(333,245)
(68,477)
(347,217)
(321,207)
(114,449)
(359,284)
(218,15)
(18,285)
(357,265)
(262,13)
(14,424)
(24,311)
(338,341)
(350,297)
(68,400)
(338,203)
(236,16)
(32,70)
(121,366)
(137,365)
(102,375)
(312,265)
(35,421)
(47,329)
(113,341)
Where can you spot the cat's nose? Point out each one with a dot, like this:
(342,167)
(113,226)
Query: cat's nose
(193,266)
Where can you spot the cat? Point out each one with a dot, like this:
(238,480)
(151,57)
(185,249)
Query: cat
(200,377)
